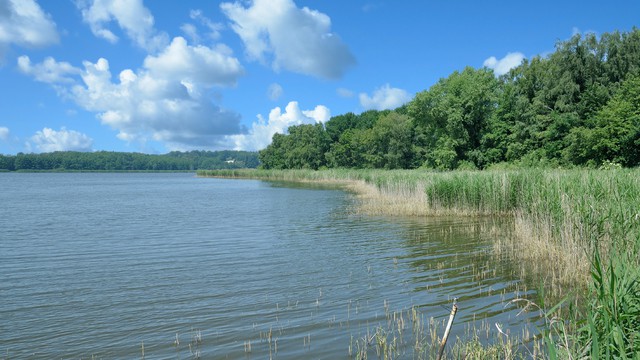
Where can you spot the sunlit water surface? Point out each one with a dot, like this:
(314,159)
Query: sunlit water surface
(115,266)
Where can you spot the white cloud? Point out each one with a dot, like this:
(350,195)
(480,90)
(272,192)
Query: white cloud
(164,101)
(384,98)
(4,133)
(132,17)
(48,140)
(212,28)
(502,66)
(345,93)
(262,131)
(49,71)
(298,40)
(195,64)
(274,91)
(191,31)
(23,23)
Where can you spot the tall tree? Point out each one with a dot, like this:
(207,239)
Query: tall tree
(274,155)
(454,114)
(392,135)
(309,143)
(614,134)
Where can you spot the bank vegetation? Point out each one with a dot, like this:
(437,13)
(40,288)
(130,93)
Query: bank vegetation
(576,234)
(128,161)
(578,106)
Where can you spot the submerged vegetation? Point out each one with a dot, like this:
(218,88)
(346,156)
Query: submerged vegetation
(576,230)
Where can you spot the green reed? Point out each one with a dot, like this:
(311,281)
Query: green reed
(559,213)
(577,229)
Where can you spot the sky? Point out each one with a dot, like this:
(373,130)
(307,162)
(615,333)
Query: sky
(155,76)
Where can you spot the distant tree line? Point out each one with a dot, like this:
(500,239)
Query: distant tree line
(126,161)
(579,106)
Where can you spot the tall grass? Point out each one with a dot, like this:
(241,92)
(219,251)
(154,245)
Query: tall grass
(577,230)
(612,328)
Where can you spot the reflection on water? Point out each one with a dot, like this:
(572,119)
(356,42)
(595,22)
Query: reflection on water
(458,250)
(105,264)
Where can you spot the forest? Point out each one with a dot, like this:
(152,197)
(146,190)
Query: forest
(576,107)
(126,161)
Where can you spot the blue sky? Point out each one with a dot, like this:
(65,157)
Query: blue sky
(156,76)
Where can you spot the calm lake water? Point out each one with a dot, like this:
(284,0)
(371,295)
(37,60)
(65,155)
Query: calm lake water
(103,265)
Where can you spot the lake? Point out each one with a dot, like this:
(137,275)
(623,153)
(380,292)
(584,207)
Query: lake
(171,266)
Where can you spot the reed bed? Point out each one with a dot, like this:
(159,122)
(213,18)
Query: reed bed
(576,233)
(560,216)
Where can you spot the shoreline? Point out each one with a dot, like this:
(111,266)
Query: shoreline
(576,232)
(554,211)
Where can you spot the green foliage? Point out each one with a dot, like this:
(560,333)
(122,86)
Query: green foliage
(454,115)
(341,123)
(308,143)
(391,142)
(303,148)
(6,163)
(613,318)
(350,149)
(617,126)
(577,106)
(121,161)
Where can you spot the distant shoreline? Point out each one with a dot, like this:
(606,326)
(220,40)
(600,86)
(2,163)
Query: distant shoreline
(95,171)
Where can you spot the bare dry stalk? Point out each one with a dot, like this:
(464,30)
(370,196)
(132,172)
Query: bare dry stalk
(560,264)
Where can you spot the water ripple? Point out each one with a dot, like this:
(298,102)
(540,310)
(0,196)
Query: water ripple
(97,264)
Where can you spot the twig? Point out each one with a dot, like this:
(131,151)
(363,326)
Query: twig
(454,309)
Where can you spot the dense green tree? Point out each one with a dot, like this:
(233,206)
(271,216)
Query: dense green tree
(553,110)
(274,155)
(542,100)
(6,162)
(308,145)
(337,125)
(117,161)
(614,132)
(454,114)
(391,142)
(350,150)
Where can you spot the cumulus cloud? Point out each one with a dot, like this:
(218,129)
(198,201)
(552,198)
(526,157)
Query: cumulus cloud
(23,23)
(262,131)
(49,71)
(384,98)
(132,17)
(164,101)
(48,140)
(195,64)
(290,38)
(274,91)
(502,66)
(4,133)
